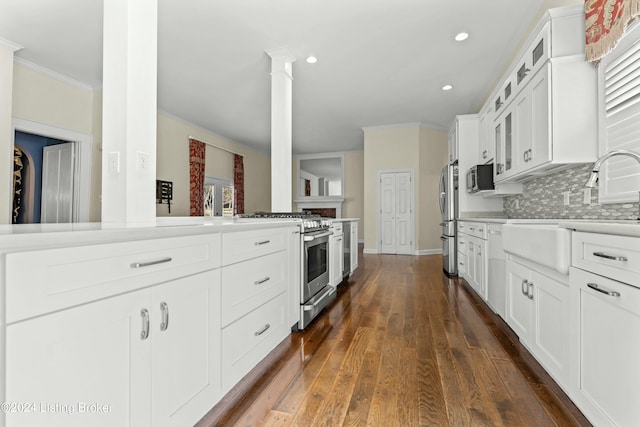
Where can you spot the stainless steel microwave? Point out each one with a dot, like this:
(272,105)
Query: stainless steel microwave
(480,178)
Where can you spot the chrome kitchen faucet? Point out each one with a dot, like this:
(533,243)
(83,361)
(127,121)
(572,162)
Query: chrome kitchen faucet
(593,178)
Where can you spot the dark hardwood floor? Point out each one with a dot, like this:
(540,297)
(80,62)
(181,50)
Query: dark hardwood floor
(402,345)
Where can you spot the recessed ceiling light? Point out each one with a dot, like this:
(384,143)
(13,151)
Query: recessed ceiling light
(312,59)
(461,36)
(447,87)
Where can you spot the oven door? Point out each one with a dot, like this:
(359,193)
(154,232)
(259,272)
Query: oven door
(316,264)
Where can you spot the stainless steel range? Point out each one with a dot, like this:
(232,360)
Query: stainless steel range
(315,292)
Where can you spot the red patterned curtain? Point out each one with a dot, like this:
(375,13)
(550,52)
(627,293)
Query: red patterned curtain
(238,184)
(606,21)
(197,152)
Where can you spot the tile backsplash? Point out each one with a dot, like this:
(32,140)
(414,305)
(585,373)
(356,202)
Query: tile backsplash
(543,198)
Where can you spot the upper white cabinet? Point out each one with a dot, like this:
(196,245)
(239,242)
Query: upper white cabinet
(487,144)
(452,138)
(467,130)
(549,118)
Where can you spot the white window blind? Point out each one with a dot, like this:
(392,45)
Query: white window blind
(620,88)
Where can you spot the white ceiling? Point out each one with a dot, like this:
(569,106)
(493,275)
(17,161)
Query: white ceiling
(380,62)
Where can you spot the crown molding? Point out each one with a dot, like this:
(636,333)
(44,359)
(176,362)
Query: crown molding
(53,74)
(10,45)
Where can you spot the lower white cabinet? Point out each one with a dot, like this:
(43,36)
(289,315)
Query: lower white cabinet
(537,312)
(249,339)
(605,348)
(354,245)
(336,258)
(113,362)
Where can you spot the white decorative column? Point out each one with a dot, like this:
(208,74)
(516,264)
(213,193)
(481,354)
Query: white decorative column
(281,106)
(129,111)
(7,50)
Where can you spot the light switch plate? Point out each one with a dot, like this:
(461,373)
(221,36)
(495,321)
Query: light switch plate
(586,196)
(566,197)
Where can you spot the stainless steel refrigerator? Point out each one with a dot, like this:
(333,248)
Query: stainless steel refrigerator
(449,209)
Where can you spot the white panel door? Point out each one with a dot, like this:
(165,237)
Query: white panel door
(403,213)
(388,213)
(57,183)
(396,217)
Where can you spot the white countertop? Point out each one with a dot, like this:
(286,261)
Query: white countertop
(619,227)
(44,235)
(622,228)
(344,219)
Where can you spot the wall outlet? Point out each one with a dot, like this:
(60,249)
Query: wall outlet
(143,160)
(586,196)
(565,196)
(517,204)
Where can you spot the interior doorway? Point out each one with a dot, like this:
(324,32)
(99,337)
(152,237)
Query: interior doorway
(396,213)
(42,179)
(63,158)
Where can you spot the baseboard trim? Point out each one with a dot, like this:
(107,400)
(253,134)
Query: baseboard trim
(429,252)
(370,251)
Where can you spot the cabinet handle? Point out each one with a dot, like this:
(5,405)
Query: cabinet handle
(484,154)
(260,282)
(613,257)
(461,263)
(164,309)
(144,334)
(262,331)
(461,243)
(524,287)
(530,291)
(339,240)
(263,242)
(148,263)
(595,287)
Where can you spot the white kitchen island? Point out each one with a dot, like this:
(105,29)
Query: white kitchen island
(123,325)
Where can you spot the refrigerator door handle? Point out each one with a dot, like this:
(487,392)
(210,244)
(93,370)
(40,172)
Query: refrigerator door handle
(442,193)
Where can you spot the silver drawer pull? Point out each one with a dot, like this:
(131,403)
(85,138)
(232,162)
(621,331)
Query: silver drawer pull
(264,242)
(263,330)
(461,263)
(260,282)
(164,309)
(144,334)
(148,263)
(613,257)
(595,287)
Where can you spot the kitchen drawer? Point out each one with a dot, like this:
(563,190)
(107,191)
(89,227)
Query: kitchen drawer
(249,339)
(477,229)
(336,227)
(616,257)
(247,285)
(43,281)
(244,245)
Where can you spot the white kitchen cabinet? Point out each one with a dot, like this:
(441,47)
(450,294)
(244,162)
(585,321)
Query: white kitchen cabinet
(537,311)
(487,144)
(249,339)
(295,275)
(185,338)
(336,254)
(113,354)
(472,244)
(452,139)
(496,274)
(554,114)
(605,324)
(354,246)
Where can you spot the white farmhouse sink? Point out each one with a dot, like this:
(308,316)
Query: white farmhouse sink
(544,244)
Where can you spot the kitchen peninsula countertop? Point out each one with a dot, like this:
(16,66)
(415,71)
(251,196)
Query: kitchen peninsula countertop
(26,236)
(618,227)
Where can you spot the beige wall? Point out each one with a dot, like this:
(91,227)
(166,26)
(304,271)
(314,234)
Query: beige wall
(43,99)
(413,147)
(433,156)
(172,164)
(386,148)
(353,206)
